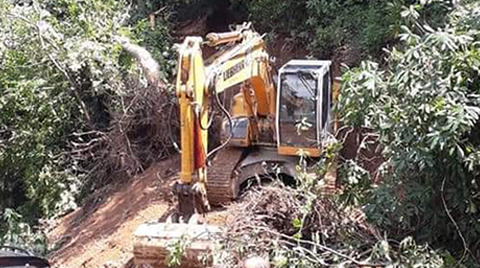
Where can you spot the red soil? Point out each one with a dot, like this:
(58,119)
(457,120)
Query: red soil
(102,235)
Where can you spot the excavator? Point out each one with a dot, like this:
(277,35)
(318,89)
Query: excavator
(271,120)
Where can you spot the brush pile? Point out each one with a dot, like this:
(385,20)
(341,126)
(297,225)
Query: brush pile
(138,136)
(294,228)
(142,126)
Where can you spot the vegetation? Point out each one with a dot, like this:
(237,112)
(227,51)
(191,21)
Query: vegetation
(347,30)
(422,110)
(300,228)
(64,82)
(78,113)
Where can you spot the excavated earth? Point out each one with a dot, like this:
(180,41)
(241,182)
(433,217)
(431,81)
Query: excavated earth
(100,234)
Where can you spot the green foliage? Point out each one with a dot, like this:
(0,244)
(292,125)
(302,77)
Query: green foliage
(355,179)
(14,232)
(157,41)
(359,28)
(425,110)
(37,112)
(281,17)
(363,25)
(61,72)
(177,250)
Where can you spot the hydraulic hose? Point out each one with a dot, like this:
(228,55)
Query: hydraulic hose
(230,122)
(209,123)
(172,140)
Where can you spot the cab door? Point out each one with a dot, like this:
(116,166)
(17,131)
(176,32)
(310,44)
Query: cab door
(303,111)
(324,104)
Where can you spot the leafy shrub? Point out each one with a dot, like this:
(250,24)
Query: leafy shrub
(37,112)
(424,109)
(62,73)
(15,232)
(323,26)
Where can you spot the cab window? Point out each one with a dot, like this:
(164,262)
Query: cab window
(298,110)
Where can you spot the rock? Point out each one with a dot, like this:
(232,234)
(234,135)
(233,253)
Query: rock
(110,264)
(257,262)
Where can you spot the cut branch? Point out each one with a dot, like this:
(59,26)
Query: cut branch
(150,67)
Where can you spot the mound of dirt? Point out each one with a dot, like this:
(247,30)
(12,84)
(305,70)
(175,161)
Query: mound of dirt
(100,234)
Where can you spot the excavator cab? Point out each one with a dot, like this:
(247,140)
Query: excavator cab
(303,106)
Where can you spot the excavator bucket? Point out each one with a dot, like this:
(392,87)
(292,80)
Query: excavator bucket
(159,245)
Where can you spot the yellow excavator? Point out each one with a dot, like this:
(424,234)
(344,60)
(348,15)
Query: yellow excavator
(266,125)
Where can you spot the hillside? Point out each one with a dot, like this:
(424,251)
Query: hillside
(100,234)
(90,127)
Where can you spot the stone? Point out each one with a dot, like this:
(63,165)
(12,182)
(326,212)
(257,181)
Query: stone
(257,262)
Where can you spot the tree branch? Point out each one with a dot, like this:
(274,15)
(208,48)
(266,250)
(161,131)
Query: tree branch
(57,65)
(150,67)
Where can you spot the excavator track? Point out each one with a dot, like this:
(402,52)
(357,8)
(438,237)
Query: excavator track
(221,183)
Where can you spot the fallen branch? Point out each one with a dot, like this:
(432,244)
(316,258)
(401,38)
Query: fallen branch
(139,134)
(323,248)
(150,67)
(280,221)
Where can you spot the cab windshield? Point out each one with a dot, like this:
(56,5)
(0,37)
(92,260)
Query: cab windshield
(298,110)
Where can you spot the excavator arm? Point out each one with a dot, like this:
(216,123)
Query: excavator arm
(241,60)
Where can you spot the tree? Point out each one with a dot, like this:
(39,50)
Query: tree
(424,111)
(64,83)
(347,30)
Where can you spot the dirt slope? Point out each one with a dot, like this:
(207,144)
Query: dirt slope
(101,234)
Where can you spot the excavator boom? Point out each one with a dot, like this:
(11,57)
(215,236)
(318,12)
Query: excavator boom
(242,60)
